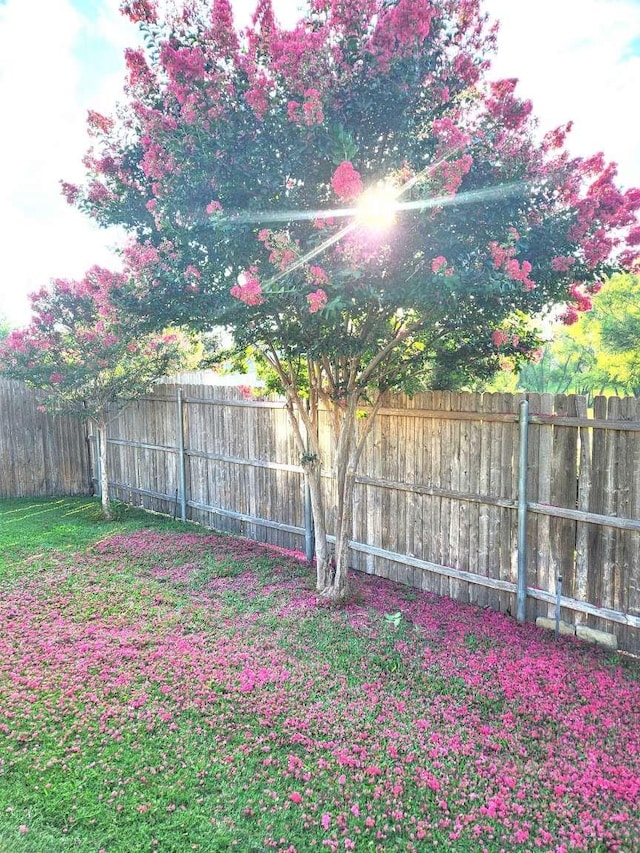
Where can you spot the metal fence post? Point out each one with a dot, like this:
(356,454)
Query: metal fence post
(98,448)
(523,454)
(309,542)
(182,475)
(558,600)
(309,532)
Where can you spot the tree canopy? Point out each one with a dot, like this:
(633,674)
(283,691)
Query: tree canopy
(85,356)
(353,199)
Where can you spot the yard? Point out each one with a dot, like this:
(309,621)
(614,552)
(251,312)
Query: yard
(166,689)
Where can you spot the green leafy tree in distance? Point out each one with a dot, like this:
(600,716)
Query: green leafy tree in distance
(599,353)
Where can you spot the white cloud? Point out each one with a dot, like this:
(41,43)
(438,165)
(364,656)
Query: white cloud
(575,60)
(43,141)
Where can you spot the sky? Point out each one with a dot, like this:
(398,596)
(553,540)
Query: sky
(577,60)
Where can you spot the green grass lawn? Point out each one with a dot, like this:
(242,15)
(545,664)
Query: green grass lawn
(166,689)
(30,529)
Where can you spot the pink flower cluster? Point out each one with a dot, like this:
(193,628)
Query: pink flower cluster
(449,135)
(310,112)
(447,175)
(258,96)
(283,251)
(556,138)
(605,217)
(346,181)
(248,289)
(502,104)
(98,123)
(316,276)
(192,276)
(503,258)
(223,30)
(581,301)
(70,192)
(157,162)
(500,338)
(562,263)
(317,300)
(581,297)
(139,73)
(140,11)
(439,265)
(399,29)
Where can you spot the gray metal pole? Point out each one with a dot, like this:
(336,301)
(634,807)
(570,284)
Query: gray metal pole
(309,539)
(309,532)
(522,512)
(97,443)
(182,475)
(558,599)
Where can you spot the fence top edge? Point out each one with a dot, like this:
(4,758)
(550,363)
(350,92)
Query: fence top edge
(536,418)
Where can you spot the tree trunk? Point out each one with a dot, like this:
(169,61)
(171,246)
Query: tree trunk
(351,435)
(107,510)
(337,589)
(332,565)
(324,561)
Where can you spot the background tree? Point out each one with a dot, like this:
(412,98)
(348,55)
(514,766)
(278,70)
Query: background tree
(616,318)
(599,353)
(86,356)
(260,173)
(5,328)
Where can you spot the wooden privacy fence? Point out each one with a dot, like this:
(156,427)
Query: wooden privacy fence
(441,501)
(40,455)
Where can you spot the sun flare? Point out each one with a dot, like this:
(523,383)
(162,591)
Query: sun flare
(376,208)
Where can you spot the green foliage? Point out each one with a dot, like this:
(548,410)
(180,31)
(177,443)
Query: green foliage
(600,353)
(223,164)
(5,327)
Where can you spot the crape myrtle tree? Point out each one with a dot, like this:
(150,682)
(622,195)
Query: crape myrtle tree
(353,201)
(86,356)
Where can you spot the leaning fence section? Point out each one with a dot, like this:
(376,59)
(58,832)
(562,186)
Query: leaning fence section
(40,455)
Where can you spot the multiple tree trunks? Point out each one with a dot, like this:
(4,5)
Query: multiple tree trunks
(437,484)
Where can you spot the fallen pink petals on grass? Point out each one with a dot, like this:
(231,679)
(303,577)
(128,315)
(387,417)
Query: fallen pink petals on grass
(189,683)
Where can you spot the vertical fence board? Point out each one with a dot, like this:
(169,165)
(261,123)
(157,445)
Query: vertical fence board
(544,573)
(583,556)
(564,485)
